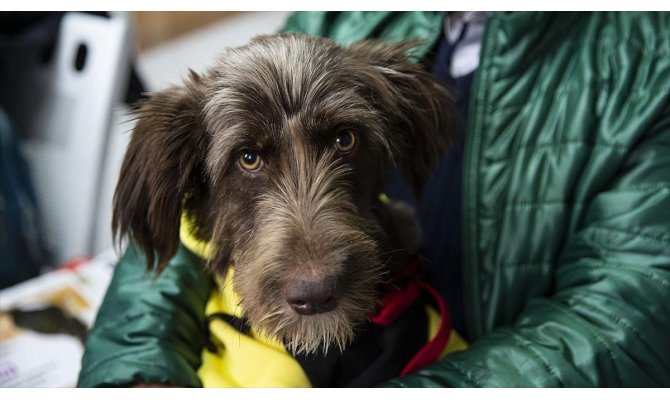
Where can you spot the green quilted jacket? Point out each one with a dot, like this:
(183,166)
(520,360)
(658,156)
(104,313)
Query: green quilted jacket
(566,214)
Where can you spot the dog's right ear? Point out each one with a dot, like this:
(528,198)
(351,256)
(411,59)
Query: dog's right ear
(162,165)
(419,111)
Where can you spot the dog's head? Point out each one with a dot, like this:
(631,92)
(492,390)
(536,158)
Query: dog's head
(280,152)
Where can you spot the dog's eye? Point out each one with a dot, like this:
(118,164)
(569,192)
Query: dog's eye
(250,160)
(345,141)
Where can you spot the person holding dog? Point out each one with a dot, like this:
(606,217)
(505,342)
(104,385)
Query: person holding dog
(546,225)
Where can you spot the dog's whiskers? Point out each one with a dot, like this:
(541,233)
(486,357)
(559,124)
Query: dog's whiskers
(396,251)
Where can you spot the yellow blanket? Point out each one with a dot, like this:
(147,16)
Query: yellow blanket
(254,360)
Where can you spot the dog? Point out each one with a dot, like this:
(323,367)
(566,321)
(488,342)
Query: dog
(279,153)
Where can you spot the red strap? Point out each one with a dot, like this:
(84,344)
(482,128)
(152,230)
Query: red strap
(394,304)
(432,350)
(397,302)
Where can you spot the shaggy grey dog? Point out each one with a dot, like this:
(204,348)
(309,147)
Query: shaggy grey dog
(280,152)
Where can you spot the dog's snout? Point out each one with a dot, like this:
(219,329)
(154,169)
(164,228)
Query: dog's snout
(312,296)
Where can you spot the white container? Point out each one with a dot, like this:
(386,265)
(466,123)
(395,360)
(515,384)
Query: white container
(63,113)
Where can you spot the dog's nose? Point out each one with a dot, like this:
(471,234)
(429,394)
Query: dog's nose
(312,296)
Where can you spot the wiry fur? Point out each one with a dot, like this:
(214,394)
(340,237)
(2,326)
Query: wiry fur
(311,211)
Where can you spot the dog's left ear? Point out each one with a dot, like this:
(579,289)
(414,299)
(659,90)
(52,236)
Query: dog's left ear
(420,113)
(162,172)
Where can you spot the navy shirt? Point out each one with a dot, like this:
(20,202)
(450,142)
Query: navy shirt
(440,207)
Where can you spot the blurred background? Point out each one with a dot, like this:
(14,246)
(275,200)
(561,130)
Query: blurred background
(67,82)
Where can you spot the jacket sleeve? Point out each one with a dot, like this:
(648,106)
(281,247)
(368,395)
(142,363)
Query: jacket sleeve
(149,328)
(608,322)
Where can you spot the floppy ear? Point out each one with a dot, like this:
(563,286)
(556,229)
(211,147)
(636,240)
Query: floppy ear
(419,111)
(163,163)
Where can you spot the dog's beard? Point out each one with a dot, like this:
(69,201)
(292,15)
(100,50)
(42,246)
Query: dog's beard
(268,313)
(313,334)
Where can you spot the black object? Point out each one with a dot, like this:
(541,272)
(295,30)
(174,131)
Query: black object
(49,320)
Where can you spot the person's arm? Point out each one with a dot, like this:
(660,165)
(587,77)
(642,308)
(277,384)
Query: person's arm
(149,329)
(608,323)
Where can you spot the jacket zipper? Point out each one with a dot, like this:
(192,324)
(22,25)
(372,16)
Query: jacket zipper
(470,266)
